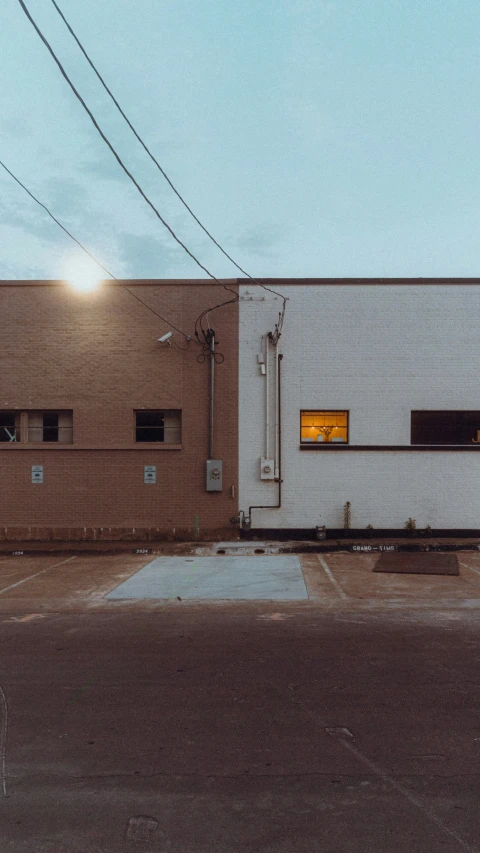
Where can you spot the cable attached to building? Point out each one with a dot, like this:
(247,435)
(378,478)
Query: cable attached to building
(115,153)
(159,167)
(84,249)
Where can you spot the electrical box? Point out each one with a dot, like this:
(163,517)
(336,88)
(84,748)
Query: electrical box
(267,469)
(214,475)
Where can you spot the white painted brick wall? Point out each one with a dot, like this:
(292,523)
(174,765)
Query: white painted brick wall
(378,351)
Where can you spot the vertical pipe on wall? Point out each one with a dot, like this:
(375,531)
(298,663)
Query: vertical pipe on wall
(277,474)
(212,391)
(267,418)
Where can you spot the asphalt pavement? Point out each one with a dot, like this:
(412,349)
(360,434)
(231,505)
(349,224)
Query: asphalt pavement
(278,727)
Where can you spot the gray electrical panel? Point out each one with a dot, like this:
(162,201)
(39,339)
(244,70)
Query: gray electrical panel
(214,475)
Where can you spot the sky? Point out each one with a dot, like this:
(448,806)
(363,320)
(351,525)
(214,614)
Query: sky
(319,138)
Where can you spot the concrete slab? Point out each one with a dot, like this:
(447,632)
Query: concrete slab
(277,578)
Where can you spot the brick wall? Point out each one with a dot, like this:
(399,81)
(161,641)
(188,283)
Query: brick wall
(380,351)
(98,355)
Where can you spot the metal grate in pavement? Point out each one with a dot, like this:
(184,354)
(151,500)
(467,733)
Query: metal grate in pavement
(430,563)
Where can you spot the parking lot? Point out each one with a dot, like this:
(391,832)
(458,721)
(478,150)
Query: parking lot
(72,581)
(343,719)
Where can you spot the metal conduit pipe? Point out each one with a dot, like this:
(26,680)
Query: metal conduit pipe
(212,393)
(279,502)
(267,416)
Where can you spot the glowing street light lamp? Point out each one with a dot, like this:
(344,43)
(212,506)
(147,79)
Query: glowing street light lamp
(81,274)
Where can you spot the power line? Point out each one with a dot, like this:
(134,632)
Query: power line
(154,160)
(188,337)
(57,222)
(114,152)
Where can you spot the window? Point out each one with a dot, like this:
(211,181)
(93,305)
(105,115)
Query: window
(164,426)
(445,427)
(9,426)
(50,426)
(36,426)
(324,426)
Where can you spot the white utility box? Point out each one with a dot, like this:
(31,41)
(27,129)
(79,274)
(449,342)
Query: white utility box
(267,468)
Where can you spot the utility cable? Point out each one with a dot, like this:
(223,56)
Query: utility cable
(188,337)
(154,160)
(57,222)
(114,152)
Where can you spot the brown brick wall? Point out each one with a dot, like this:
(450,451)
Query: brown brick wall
(98,355)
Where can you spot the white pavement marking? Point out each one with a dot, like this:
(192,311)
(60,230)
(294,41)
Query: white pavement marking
(13,585)
(477,572)
(27,618)
(276,616)
(345,740)
(3,742)
(415,801)
(330,577)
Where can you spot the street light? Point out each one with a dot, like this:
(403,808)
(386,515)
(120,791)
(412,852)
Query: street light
(81,273)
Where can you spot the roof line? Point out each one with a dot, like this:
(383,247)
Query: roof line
(194,282)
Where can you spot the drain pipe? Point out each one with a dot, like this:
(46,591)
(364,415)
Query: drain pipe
(267,417)
(246,522)
(211,342)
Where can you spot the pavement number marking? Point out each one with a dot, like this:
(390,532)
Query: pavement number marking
(13,585)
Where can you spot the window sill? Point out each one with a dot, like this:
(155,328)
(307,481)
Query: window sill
(16,445)
(401,447)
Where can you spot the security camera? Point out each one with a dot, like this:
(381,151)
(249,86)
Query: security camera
(165,337)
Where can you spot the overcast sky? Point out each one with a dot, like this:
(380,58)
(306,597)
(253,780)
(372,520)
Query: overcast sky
(312,137)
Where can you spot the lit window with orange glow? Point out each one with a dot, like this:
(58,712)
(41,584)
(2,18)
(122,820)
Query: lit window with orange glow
(324,427)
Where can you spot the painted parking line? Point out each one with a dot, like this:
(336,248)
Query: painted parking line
(330,577)
(3,741)
(477,572)
(346,739)
(27,618)
(18,583)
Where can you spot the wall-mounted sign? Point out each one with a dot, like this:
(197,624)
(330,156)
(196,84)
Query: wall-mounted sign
(37,473)
(150,474)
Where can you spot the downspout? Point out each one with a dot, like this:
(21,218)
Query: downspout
(267,418)
(211,342)
(277,399)
(247,523)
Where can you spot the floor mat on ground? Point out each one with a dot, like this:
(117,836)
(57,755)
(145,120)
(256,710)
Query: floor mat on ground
(272,578)
(429,563)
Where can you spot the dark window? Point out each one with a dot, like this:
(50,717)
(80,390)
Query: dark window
(445,427)
(50,426)
(162,425)
(150,426)
(8,426)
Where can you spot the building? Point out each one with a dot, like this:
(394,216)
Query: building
(368,398)
(104,431)
(380,404)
